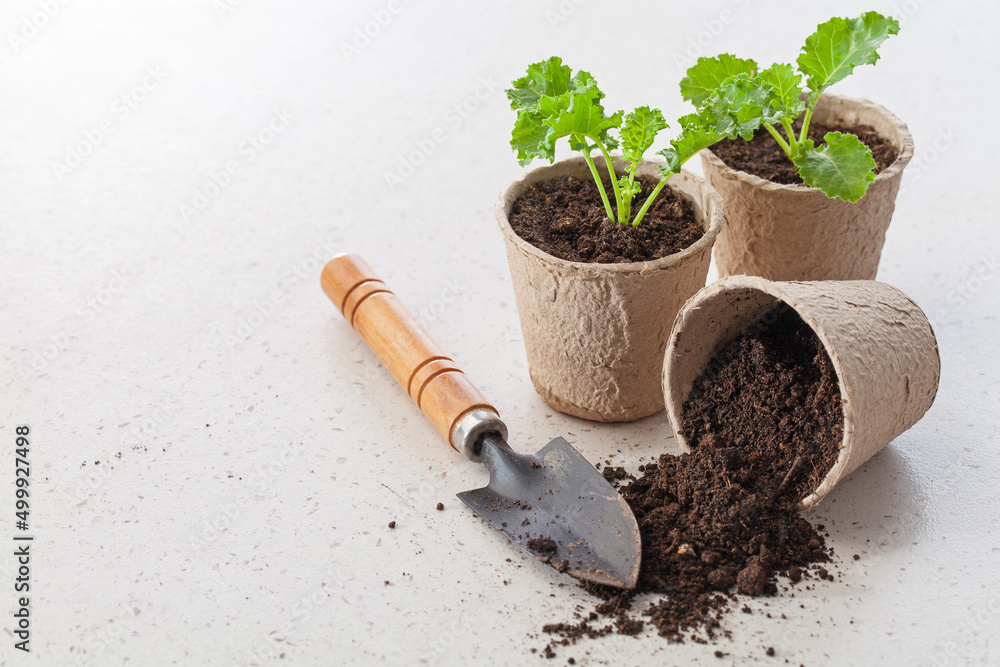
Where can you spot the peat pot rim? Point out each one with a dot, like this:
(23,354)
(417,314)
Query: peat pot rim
(701,305)
(711,216)
(903,141)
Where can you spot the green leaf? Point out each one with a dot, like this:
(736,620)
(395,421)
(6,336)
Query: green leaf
(689,143)
(528,137)
(735,109)
(578,113)
(548,78)
(629,188)
(705,76)
(583,80)
(785,82)
(842,168)
(741,104)
(839,45)
(551,104)
(639,130)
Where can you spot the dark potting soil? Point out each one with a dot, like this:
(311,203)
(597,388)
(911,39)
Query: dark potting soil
(763,157)
(565,217)
(771,403)
(765,426)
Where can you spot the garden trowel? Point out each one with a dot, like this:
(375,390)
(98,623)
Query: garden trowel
(554,503)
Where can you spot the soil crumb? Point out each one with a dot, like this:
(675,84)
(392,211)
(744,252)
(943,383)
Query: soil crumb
(545,546)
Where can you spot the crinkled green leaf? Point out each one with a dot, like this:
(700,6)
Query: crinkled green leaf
(528,137)
(736,109)
(839,45)
(688,144)
(842,168)
(704,77)
(629,188)
(578,113)
(785,82)
(696,120)
(741,104)
(552,104)
(548,78)
(639,130)
(584,80)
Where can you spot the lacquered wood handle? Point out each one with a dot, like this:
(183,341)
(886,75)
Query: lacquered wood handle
(435,383)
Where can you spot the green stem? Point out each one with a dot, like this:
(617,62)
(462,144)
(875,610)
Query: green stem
(600,184)
(649,200)
(794,145)
(804,134)
(659,186)
(626,209)
(610,163)
(777,137)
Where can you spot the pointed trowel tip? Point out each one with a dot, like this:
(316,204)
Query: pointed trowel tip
(556,506)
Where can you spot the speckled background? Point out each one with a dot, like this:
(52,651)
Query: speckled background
(160,312)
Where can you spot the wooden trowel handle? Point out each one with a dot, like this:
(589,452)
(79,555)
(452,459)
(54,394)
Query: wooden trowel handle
(440,389)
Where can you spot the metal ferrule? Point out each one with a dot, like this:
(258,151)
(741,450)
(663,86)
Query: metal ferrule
(472,425)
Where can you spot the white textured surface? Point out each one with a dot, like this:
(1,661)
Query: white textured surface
(302,551)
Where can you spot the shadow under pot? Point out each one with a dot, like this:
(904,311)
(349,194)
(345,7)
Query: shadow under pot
(884,377)
(794,232)
(595,333)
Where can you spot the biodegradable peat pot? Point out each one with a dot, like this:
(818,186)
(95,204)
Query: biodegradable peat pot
(794,232)
(595,333)
(880,342)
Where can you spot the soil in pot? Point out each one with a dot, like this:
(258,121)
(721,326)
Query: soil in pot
(772,398)
(764,158)
(765,425)
(566,218)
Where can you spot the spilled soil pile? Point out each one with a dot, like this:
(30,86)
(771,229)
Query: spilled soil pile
(721,521)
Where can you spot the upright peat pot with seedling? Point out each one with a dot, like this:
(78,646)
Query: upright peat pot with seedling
(604,250)
(811,195)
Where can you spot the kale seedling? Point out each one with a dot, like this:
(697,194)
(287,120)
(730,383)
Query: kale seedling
(843,167)
(551,103)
